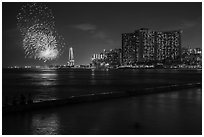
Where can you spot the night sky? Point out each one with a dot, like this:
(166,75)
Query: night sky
(91,27)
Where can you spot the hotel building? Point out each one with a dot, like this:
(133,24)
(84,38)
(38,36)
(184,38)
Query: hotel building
(148,46)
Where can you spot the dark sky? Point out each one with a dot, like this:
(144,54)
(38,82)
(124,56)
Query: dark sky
(91,27)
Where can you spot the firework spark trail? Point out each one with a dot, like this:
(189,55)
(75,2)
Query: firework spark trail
(34,13)
(37,26)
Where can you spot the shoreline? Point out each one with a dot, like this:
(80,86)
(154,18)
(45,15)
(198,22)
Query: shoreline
(96,97)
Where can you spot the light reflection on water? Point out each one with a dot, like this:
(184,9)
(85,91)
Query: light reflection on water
(47,75)
(46,80)
(49,84)
(45,124)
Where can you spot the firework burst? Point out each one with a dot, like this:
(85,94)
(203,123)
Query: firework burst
(37,26)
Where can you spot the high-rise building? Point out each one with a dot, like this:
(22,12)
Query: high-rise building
(146,46)
(71,58)
(168,46)
(113,57)
(130,46)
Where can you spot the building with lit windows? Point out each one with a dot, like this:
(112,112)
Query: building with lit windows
(148,46)
(168,46)
(130,48)
(108,58)
(113,58)
(190,56)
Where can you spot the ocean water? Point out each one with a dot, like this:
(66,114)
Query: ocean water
(170,113)
(178,112)
(51,84)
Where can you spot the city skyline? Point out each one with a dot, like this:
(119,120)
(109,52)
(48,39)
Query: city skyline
(91,29)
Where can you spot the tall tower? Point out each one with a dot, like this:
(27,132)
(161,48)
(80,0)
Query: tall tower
(71,58)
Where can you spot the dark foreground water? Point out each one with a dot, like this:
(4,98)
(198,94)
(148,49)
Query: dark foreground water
(50,84)
(178,112)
